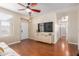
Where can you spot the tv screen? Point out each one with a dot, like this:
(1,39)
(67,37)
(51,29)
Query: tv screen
(48,27)
(45,27)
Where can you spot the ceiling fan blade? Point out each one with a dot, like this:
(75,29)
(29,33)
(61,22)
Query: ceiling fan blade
(33,4)
(35,10)
(21,9)
(21,4)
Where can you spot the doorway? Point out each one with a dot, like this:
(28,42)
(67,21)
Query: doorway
(24,30)
(63,27)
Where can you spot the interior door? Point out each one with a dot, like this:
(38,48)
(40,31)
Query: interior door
(24,30)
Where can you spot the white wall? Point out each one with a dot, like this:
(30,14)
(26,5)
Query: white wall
(78,29)
(42,36)
(72,24)
(73,27)
(15,27)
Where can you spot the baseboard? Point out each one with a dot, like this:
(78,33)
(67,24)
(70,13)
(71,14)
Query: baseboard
(14,42)
(72,43)
(40,41)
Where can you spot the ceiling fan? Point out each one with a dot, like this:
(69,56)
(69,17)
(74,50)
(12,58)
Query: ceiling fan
(29,8)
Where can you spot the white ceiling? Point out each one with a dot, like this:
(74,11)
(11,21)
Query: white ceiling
(44,7)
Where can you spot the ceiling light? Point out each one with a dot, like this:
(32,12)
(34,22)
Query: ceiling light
(28,10)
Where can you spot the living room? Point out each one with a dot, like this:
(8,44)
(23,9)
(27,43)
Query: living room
(40,33)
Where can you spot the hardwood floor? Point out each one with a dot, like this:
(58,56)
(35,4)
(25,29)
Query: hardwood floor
(34,48)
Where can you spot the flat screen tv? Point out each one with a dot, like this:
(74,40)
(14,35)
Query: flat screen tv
(45,27)
(48,27)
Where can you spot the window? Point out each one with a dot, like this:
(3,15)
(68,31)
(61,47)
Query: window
(4,28)
(5,24)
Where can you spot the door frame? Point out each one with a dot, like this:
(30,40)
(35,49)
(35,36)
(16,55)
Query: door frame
(23,20)
(60,27)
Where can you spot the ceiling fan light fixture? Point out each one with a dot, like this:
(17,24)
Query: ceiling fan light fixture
(28,10)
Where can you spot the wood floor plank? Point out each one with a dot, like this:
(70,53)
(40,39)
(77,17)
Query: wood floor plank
(29,47)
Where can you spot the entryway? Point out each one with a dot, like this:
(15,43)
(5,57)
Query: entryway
(24,29)
(63,27)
